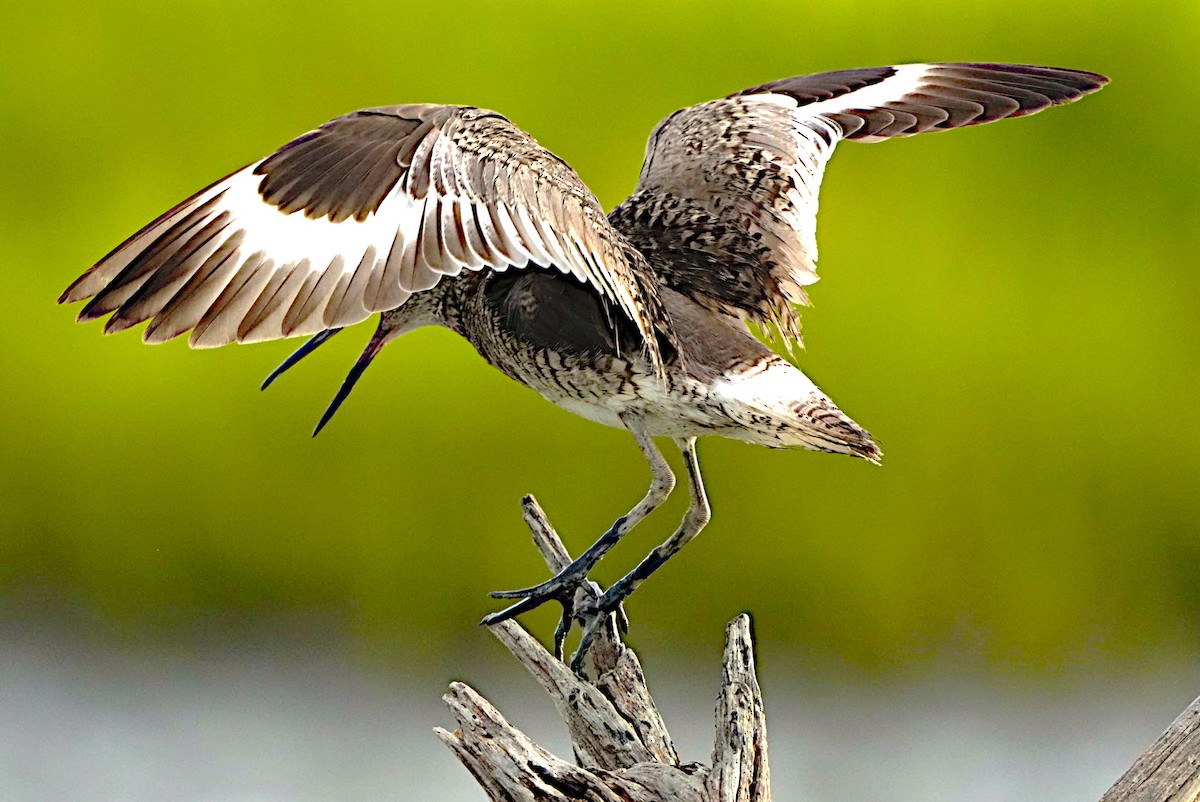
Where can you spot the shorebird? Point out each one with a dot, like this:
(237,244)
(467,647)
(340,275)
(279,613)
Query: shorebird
(435,215)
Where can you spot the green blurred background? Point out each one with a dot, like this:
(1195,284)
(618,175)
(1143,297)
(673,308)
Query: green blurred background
(1012,310)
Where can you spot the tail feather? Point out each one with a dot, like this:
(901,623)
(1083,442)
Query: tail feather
(824,427)
(775,404)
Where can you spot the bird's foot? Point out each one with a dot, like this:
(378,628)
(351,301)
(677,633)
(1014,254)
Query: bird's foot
(561,588)
(566,599)
(581,601)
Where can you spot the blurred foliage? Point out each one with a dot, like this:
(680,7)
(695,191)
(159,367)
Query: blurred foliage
(1013,310)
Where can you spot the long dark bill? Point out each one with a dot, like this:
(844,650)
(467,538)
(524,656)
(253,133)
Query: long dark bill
(378,340)
(311,345)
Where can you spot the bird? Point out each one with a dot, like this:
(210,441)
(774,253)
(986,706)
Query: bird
(642,319)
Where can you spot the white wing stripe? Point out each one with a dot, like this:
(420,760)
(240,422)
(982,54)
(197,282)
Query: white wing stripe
(906,79)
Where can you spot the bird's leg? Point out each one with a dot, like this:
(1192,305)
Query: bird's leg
(562,586)
(696,517)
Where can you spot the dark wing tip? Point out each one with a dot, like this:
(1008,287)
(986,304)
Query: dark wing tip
(1058,84)
(77,291)
(936,96)
(1083,78)
(67,295)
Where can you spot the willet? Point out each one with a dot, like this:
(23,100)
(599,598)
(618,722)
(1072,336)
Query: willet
(452,216)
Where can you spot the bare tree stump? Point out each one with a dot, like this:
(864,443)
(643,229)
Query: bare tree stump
(623,752)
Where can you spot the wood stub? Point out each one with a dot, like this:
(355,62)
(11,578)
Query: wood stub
(740,771)
(1169,771)
(615,764)
(501,758)
(625,686)
(603,739)
(547,541)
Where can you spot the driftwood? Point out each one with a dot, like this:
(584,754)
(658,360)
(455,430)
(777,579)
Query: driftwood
(623,752)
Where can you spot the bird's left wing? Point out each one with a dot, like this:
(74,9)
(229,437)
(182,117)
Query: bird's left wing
(726,205)
(355,217)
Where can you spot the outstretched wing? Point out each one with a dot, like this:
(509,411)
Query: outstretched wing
(353,218)
(726,205)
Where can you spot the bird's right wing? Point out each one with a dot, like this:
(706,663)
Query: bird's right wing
(726,205)
(355,217)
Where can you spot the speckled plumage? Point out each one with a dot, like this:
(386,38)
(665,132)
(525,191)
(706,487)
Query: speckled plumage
(453,216)
(713,365)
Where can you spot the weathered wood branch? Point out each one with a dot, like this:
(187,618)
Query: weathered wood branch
(1169,771)
(623,752)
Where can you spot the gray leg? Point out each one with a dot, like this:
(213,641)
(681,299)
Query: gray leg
(562,587)
(695,519)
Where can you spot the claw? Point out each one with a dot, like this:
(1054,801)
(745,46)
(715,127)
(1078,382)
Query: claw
(525,605)
(561,631)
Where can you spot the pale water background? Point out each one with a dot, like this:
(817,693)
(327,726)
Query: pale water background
(254,725)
